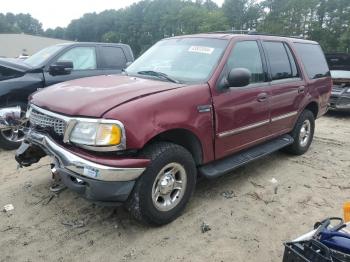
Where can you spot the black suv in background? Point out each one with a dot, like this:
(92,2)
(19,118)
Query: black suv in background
(52,65)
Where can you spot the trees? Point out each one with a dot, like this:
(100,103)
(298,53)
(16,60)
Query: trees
(21,23)
(242,14)
(145,22)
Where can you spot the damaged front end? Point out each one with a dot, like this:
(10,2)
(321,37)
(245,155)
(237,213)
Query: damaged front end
(340,97)
(29,154)
(339,65)
(103,178)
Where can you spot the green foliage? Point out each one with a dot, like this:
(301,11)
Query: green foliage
(142,24)
(21,23)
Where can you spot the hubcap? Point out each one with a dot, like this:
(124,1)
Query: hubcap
(169,187)
(305,131)
(15,134)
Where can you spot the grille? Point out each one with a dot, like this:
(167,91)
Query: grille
(44,121)
(333,100)
(337,89)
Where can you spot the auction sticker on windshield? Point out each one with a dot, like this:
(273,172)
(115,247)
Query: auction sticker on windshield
(201,49)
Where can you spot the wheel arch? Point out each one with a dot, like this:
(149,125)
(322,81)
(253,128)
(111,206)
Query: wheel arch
(182,137)
(313,107)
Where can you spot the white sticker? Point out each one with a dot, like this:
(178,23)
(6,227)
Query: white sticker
(91,172)
(201,49)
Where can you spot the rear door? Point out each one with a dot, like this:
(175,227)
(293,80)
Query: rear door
(286,89)
(112,59)
(242,113)
(84,60)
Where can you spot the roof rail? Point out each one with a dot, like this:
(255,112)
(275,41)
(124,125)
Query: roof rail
(251,32)
(269,34)
(242,32)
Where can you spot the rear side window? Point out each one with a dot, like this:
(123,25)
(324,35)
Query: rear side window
(313,60)
(112,57)
(281,60)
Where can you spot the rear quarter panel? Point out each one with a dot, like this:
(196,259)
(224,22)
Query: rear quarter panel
(317,90)
(320,92)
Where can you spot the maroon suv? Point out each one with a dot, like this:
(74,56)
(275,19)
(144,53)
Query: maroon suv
(191,105)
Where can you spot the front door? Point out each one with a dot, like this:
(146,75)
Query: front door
(84,65)
(242,115)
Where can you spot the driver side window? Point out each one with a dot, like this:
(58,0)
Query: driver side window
(83,58)
(246,54)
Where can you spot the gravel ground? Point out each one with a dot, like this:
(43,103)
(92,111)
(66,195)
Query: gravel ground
(243,219)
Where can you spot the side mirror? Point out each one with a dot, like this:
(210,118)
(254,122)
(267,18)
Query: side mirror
(238,77)
(61,68)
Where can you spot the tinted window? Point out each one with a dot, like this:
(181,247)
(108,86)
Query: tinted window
(112,57)
(313,59)
(246,54)
(83,58)
(338,61)
(279,61)
(292,62)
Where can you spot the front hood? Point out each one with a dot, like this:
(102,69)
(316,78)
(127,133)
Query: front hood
(15,64)
(94,96)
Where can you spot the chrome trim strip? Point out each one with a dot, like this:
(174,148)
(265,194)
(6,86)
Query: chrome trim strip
(80,165)
(277,118)
(204,108)
(72,121)
(241,129)
(49,113)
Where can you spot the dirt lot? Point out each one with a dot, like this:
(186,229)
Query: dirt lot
(248,222)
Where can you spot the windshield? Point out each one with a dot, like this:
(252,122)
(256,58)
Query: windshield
(40,57)
(183,59)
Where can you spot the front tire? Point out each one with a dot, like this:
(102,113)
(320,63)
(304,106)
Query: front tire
(162,192)
(302,133)
(11,139)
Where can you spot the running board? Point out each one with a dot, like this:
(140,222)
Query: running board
(228,164)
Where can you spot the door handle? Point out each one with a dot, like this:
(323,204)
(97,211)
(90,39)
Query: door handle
(301,89)
(262,97)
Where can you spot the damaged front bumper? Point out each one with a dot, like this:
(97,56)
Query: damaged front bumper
(96,181)
(340,99)
(10,117)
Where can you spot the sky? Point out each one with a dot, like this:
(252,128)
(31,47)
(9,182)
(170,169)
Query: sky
(59,13)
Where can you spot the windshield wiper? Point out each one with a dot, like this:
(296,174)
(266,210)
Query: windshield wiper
(159,75)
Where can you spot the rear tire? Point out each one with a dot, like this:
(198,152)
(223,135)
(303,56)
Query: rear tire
(302,133)
(162,192)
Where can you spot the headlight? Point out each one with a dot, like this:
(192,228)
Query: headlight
(97,134)
(348,91)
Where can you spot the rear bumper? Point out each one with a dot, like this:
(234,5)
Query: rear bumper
(95,181)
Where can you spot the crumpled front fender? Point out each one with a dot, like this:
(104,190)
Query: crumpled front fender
(28,154)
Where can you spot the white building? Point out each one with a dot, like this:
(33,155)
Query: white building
(14,45)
